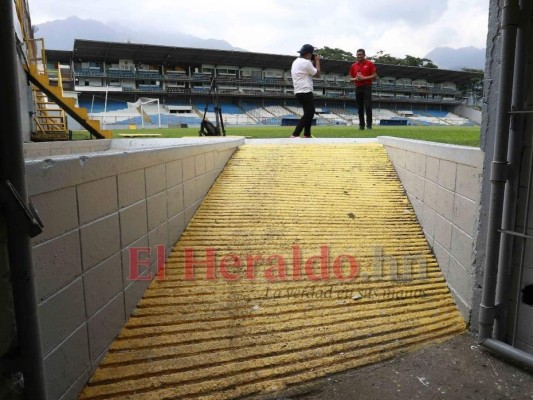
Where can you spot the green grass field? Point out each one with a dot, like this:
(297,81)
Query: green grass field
(465,136)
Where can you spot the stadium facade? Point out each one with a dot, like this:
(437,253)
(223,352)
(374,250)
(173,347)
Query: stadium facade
(252,87)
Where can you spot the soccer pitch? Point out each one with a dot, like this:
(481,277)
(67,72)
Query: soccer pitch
(460,135)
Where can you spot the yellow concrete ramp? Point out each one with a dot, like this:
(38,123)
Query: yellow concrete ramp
(303,261)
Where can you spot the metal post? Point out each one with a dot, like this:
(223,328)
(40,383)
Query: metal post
(499,168)
(92,105)
(516,139)
(105,106)
(159,113)
(18,240)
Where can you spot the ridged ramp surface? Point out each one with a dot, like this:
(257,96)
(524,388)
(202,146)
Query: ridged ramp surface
(257,295)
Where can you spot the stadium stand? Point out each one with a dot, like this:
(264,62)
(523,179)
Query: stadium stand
(254,88)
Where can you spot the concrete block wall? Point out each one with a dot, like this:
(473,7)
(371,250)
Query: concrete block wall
(49,149)
(443,183)
(95,208)
(468,112)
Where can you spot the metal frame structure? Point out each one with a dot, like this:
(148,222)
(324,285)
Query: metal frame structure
(505,174)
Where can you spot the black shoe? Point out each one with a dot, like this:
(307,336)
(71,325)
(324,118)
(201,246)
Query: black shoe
(361,128)
(369,127)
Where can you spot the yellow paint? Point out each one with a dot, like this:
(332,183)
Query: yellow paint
(139,134)
(222,339)
(53,94)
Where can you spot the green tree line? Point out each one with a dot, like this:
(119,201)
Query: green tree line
(381,58)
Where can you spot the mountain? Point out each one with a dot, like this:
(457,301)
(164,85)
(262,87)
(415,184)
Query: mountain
(60,35)
(457,59)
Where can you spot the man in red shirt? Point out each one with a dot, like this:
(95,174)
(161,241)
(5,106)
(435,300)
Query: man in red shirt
(362,73)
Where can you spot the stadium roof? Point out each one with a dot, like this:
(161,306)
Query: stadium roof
(98,51)
(59,55)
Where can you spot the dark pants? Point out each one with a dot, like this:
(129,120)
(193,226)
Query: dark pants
(363,96)
(308,104)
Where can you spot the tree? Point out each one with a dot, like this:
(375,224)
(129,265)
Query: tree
(418,62)
(382,58)
(335,54)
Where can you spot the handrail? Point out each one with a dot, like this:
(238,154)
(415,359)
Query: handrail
(37,54)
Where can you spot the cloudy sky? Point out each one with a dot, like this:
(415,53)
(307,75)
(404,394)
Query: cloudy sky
(413,27)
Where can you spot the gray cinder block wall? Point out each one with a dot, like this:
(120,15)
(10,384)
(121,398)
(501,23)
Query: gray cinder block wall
(95,207)
(443,183)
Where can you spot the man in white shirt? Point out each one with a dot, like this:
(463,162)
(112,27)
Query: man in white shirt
(304,68)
